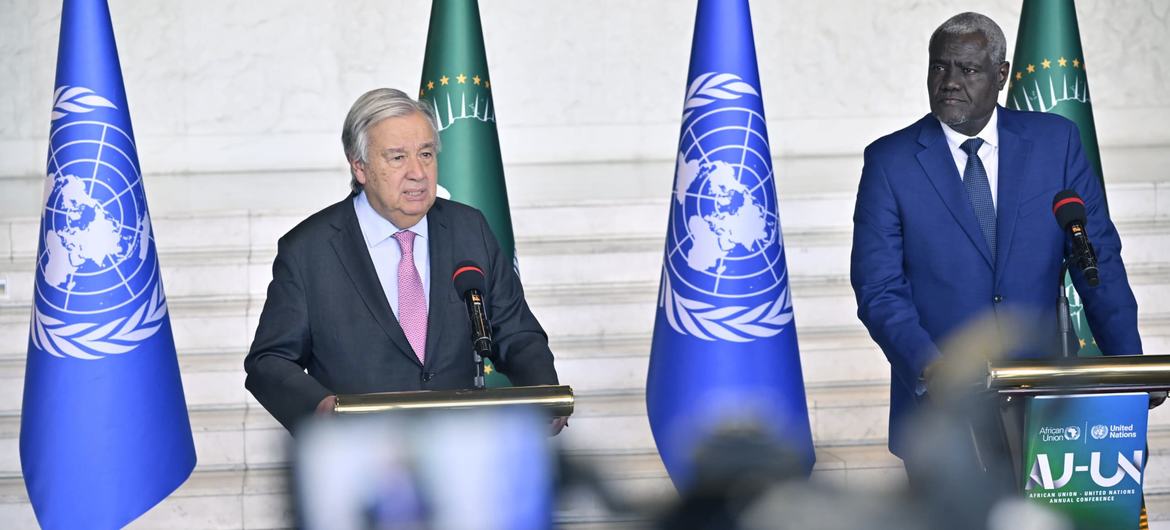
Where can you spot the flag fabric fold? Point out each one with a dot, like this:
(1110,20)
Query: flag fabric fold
(1048,75)
(724,352)
(455,81)
(104,428)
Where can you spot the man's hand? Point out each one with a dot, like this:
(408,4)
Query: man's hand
(1157,398)
(325,407)
(557,423)
(929,383)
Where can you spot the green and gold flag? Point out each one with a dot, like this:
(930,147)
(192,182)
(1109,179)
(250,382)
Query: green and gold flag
(455,81)
(1048,75)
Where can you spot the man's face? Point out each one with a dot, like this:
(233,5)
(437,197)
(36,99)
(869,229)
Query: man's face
(963,81)
(401,171)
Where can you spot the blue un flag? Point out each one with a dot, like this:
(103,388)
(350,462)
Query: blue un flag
(724,353)
(104,432)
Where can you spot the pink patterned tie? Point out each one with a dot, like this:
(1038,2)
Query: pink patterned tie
(412,302)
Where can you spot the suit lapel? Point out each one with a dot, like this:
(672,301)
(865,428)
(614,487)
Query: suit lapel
(351,251)
(1013,157)
(442,267)
(939,165)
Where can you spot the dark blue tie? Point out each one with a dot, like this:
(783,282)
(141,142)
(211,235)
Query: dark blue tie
(979,191)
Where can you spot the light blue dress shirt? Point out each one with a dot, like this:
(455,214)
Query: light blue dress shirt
(386,253)
(988,152)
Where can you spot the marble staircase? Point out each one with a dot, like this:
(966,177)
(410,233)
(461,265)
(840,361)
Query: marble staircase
(590,242)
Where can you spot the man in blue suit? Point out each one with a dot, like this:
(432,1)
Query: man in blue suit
(954,225)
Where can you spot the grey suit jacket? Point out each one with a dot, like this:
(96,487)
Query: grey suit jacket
(327,327)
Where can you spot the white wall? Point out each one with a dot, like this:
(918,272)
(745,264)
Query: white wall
(263,85)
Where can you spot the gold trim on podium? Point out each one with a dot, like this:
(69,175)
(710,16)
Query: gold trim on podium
(1110,371)
(557,400)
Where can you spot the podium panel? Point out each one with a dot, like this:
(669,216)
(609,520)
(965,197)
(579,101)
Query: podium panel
(1084,456)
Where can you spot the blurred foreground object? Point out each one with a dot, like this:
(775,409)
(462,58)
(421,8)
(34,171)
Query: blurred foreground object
(428,469)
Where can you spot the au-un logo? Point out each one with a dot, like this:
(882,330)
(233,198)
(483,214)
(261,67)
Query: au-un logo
(1041,476)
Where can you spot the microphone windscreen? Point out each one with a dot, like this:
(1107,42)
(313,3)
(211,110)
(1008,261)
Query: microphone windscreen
(468,276)
(1068,208)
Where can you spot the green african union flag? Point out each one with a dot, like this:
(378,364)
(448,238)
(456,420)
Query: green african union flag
(455,81)
(1048,75)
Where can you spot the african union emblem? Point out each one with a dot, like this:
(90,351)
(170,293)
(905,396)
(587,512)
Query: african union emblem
(723,277)
(97,291)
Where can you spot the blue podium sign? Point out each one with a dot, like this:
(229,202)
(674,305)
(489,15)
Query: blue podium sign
(1084,456)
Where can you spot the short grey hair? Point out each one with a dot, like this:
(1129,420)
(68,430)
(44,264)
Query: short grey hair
(370,109)
(968,23)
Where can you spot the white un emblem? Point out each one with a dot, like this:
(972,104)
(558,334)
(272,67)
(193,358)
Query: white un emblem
(724,278)
(98,291)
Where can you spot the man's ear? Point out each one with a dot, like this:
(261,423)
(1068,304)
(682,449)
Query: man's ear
(359,171)
(1005,71)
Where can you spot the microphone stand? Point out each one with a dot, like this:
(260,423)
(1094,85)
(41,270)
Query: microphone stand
(479,384)
(1062,313)
(481,340)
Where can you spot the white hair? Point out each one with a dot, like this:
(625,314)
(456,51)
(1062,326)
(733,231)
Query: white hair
(370,109)
(968,23)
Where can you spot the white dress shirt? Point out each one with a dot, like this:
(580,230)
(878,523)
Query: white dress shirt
(386,253)
(988,152)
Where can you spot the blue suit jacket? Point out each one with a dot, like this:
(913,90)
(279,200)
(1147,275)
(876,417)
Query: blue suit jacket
(921,268)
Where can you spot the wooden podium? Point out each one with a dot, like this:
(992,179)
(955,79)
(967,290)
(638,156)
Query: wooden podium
(557,400)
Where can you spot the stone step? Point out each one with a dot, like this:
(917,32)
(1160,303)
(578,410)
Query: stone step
(214,376)
(818,260)
(204,263)
(590,364)
(821,252)
(215,380)
(230,240)
(597,346)
(244,434)
(1158,510)
(236,281)
(834,362)
(829,355)
(579,317)
(208,289)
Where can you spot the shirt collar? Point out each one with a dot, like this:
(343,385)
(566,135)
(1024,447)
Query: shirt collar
(989,134)
(377,229)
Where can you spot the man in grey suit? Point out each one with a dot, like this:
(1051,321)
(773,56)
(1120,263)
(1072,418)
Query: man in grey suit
(361,298)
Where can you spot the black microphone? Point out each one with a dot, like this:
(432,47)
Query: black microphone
(1069,209)
(469,283)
